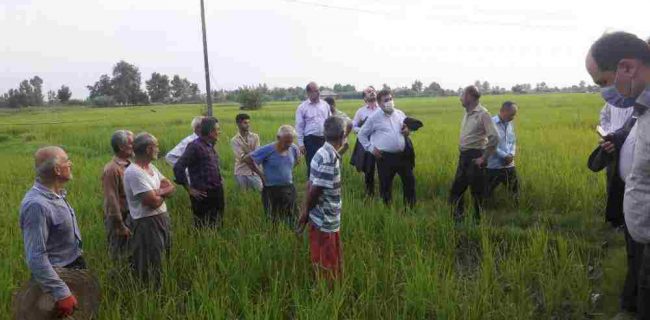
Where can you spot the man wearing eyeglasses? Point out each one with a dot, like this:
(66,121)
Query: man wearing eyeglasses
(384,135)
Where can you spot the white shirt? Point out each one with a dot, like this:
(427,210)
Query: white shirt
(383,132)
(137,182)
(627,154)
(310,118)
(176,153)
(613,118)
(362,114)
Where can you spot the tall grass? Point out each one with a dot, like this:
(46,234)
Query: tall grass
(531,262)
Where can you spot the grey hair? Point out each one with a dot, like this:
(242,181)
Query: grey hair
(285,130)
(141,141)
(46,167)
(334,128)
(196,122)
(120,138)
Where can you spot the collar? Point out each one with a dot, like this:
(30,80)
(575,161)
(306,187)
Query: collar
(46,192)
(121,162)
(205,141)
(372,108)
(331,148)
(476,109)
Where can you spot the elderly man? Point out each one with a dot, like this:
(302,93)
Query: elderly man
(623,60)
(202,162)
(278,160)
(478,141)
(384,135)
(49,225)
(323,204)
(310,117)
(243,143)
(346,120)
(501,165)
(176,153)
(146,190)
(116,211)
(363,159)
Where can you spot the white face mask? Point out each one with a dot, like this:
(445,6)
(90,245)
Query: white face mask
(389,107)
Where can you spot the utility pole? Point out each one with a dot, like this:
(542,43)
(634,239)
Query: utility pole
(205,60)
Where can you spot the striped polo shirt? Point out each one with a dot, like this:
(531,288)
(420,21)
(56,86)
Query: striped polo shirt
(325,172)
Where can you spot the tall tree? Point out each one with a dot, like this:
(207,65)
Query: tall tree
(36,98)
(63,94)
(126,84)
(158,87)
(103,87)
(417,86)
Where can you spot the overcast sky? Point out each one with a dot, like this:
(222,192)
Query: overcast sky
(289,42)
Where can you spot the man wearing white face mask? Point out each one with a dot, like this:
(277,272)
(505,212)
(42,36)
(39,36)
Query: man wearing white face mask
(384,135)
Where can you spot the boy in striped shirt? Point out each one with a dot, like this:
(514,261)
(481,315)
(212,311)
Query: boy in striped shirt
(322,207)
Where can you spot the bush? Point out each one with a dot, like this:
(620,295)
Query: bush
(250,98)
(103,101)
(75,102)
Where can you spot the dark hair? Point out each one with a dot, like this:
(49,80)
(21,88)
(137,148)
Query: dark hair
(473,90)
(611,48)
(207,125)
(381,94)
(241,117)
(334,128)
(508,105)
(330,101)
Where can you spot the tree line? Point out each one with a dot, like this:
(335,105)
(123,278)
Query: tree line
(124,87)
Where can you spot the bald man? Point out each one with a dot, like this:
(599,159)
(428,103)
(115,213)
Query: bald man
(49,226)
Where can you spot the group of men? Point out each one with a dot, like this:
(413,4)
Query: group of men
(137,220)
(619,63)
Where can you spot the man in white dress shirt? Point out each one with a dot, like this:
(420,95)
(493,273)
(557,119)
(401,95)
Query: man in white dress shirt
(384,135)
(310,118)
(176,153)
(363,159)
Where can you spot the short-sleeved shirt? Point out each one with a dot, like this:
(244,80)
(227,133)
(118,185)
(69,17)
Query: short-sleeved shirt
(278,168)
(137,182)
(325,172)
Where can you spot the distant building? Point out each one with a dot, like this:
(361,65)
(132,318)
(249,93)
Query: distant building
(329,93)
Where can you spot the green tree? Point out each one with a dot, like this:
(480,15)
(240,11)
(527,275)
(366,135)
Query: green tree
(158,87)
(63,94)
(103,87)
(417,86)
(126,83)
(36,98)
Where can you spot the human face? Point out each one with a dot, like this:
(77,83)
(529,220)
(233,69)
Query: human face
(126,150)
(507,116)
(601,78)
(285,141)
(629,80)
(370,95)
(244,125)
(214,134)
(63,168)
(153,150)
(313,93)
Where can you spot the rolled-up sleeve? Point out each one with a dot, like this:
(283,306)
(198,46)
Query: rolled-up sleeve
(364,134)
(35,235)
(186,160)
(490,131)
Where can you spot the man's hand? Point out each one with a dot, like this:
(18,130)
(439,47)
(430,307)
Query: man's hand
(479,162)
(376,153)
(303,151)
(66,306)
(344,148)
(197,194)
(405,130)
(165,184)
(123,231)
(508,159)
(302,222)
(608,146)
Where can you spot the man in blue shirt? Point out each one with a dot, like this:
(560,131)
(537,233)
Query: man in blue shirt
(501,165)
(277,160)
(49,225)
